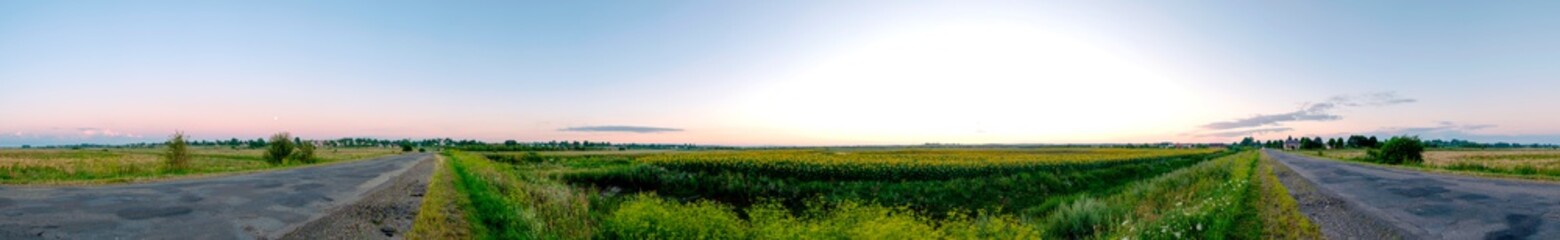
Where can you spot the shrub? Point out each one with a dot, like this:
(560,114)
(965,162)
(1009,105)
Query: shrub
(304,153)
(1079,219)
(1400,150)
(406,147)
(279,148)
(178,156)
(422,150)
(26,146)
(532,157)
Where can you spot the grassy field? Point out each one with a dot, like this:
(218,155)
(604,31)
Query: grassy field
(1519,163)
(875,194)
(106,165)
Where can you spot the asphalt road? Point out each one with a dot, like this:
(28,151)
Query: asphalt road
(254,206)
(1438,206)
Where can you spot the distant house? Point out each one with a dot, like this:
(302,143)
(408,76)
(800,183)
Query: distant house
(1291,144)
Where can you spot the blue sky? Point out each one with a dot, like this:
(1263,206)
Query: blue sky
(778,73)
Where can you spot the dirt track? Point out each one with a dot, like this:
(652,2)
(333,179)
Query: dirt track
(256,206)
(1437,206)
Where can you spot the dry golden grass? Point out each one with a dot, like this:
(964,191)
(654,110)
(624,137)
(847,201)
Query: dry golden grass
(1539,159)
(29,166)
(1348,154)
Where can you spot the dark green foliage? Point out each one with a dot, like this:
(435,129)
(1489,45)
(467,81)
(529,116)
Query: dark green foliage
(406,147)
(528,157)
(1400,150)
(1311,143)
(26,146)
(422,150)
(1008,192)
(279,148)
(304,153)
(178,156)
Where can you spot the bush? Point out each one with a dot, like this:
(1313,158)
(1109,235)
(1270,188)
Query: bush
(1079,219)
(406,147)
(1400,150)
(532,157)
(178,157)
(422,150)
(279,148)
(304,153)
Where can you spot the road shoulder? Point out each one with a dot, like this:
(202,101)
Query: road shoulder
(386,212)
(1338,219)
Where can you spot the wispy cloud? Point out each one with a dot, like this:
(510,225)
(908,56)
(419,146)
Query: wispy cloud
(1451,130)
(631,129)
(1313,111)
(1238,133)
(1443,126)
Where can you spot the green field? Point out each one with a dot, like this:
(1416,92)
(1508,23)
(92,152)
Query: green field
(907,193)
(107,165)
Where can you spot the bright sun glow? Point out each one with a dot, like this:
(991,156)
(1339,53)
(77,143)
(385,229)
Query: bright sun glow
(972,81)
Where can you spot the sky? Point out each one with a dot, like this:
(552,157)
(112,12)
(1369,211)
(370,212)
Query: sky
(779,72)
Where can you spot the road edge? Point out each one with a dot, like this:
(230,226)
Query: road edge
(377,184)
(1330,211)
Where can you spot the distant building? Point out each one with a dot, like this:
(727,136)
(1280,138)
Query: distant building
(1291,144)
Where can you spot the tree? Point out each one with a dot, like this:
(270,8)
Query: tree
(511,143)
(178,156)
(1400,150)
(1311,143)
(279,149)
(1248,141)
(26,146)
(304,153)
(406,147)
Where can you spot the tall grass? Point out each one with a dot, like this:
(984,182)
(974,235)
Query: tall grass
(647,216)
(1206,201)
(513,204)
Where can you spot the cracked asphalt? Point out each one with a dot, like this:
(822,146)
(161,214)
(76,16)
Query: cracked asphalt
(254,206)
(1438,206)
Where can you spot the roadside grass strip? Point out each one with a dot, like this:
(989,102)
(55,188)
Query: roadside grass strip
(443,213)
(510,204)
(1224,198)
(1279,212)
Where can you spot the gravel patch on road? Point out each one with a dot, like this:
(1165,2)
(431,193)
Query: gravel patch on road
(385,213)
(1336,218)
